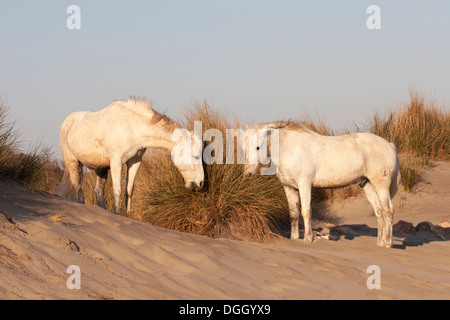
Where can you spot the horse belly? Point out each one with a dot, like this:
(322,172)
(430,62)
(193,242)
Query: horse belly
(339,173)
(338,182)
(96,161)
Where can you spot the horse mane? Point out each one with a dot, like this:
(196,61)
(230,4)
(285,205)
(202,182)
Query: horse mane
(144,106)
(288,125)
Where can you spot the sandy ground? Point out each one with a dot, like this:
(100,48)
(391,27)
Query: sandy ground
(120,258)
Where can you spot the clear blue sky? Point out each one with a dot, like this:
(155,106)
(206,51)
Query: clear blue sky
(261,60)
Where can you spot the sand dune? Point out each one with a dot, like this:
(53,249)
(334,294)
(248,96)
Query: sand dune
(120,258)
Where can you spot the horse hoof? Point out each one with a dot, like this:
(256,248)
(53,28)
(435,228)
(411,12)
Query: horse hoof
(384,245)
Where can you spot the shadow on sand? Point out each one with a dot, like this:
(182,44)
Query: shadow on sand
(423,233)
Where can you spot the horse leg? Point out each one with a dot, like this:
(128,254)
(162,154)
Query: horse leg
(132,168)
(305,200)
(372,196)
(116,172)
(102,176)
(293,198)
(388,214)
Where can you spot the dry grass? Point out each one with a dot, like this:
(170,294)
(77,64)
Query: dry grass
(25,167)
(421,133)
(230,206)
(410,175)
(418,128)
(316,124)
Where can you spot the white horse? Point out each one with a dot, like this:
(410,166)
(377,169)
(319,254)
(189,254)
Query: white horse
(117,135)
(306,159)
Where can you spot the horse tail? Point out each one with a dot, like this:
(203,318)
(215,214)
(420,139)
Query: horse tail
(396,177)
(66,189)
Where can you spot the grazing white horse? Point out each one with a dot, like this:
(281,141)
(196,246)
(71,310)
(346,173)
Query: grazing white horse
(118,135)
(306,159)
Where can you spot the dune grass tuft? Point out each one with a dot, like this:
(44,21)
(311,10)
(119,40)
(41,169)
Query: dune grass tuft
(230,206)
(410,175)
(418,128)
(25,167)
(421,133)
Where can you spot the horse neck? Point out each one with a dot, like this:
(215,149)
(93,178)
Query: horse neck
(288,138)
(158,136)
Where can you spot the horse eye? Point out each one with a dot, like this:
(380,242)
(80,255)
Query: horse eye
(257,148)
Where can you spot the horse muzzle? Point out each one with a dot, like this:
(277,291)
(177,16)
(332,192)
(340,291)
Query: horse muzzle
(195,186)
(249,175)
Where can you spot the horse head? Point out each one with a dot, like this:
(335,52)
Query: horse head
(256,142)
(187,157)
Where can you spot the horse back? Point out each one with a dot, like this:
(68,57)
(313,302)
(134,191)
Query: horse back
(333,161)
